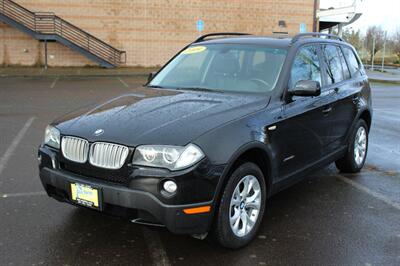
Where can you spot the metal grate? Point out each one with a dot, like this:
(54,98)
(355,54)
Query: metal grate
(75,149)
(108,155)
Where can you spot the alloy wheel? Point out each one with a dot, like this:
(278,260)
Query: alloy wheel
(245,206)
(360,145)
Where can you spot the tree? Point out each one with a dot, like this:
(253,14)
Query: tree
(395,43)
(353,37)
(374,32)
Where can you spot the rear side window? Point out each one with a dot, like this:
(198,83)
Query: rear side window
(334,71)
(354,65)
(346,71)
(306,66)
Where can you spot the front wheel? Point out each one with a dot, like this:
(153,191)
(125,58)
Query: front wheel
(242,207)
(356,154)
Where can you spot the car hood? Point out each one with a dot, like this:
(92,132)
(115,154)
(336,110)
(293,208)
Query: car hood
(158,116)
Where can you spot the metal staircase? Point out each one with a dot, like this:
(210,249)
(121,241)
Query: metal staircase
(45,26)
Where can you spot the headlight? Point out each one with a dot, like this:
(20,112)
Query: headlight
(52,137)
(171,157)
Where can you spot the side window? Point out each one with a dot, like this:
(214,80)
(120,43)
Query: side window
(354,65)
(334,72)
(346,71)
(306,66)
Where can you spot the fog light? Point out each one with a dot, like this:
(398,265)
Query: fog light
(170,186)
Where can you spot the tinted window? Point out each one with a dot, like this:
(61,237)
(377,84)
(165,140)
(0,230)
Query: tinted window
(354,65)
(223,67)
(259,58)
(191,66)
(263,66)
(334,72)
(305,66)
(346,71)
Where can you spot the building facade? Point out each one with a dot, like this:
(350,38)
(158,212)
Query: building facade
(151,31)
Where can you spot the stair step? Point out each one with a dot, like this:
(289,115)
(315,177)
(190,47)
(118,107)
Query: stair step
(46,26)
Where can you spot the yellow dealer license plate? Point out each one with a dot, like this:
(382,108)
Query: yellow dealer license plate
(85,195)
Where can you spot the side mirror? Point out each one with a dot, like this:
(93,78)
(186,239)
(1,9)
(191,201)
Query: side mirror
(306,88)
(151,76)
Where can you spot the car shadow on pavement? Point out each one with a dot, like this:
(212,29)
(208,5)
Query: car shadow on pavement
(317,220)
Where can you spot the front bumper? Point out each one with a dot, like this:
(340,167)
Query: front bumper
(127,201)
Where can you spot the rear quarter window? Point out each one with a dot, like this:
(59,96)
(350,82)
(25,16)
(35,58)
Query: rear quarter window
(353,63)
(346,71)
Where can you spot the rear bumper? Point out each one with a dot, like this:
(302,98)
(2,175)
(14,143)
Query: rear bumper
(132,204)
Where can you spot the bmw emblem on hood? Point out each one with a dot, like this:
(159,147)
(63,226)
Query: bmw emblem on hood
(99,132)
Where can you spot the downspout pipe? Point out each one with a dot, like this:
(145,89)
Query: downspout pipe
(316,6)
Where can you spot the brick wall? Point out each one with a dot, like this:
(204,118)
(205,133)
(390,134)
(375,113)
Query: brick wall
(150,31)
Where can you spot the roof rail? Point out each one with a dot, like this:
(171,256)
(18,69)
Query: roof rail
(315,34)
(203,37)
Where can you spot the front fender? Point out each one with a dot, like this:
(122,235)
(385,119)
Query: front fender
(254,145)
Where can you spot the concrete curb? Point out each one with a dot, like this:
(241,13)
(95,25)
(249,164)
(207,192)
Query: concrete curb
(384,81)
(72,75)
(35,72)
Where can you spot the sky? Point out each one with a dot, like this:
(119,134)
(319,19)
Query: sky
(385,13)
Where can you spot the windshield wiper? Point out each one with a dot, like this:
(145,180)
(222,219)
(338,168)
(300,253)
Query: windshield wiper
(199,89)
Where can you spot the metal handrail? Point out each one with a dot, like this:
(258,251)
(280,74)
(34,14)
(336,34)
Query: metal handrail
(47,23)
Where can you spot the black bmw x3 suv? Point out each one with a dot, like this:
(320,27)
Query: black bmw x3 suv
(226,123)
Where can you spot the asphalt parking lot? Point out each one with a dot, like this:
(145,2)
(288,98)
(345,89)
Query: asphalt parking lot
(329,218)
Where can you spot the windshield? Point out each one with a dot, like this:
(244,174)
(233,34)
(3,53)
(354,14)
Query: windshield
(223,67)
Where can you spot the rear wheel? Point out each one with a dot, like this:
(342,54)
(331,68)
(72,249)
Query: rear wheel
(356,154)
(242,207)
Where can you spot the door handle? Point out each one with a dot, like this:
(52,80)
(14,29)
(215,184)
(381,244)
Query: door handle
(327,110)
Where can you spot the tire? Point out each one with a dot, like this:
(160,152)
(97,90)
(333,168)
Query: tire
(223,231)
(352,161)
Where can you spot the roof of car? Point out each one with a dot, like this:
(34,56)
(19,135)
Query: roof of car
(250,39)
(276,41)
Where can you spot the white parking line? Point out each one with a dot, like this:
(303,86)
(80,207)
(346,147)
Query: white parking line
(123,82)
(54,83)
(155,248)
(370,192)
(10,151)
(26,194)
